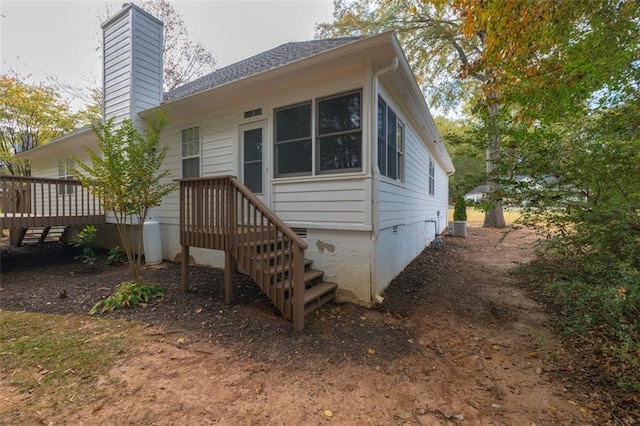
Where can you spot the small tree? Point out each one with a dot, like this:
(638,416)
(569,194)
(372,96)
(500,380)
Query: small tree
(126,178)
(460,209)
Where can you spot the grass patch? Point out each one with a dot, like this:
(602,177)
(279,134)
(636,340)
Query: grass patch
(54,360)
(473,215)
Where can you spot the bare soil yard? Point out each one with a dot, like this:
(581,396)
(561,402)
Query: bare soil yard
(455,342)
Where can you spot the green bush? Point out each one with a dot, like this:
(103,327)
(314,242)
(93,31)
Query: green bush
(115,256)
(88,241)
(128,294)
(460,209)
(602,307)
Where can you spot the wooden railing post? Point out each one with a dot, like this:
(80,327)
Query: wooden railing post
(298,288)
(184,265)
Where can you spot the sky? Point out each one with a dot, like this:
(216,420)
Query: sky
(61,39)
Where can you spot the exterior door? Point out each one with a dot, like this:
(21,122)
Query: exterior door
(254,173)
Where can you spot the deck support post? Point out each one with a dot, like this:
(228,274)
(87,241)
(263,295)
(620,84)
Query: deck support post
(184,268)
(16,235)
(230,266)
(298,289)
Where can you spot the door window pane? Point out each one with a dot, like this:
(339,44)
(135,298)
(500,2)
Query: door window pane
(253,176)
(252,170)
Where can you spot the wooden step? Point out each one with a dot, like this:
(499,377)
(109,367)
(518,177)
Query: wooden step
(319,290)
(279,269)
(309,276)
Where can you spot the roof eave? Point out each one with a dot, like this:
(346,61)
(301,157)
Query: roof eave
(329,54)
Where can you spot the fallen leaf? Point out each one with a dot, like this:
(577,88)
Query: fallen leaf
(328,413)
(371,351)
(96,408)
(198,310)
(181,341)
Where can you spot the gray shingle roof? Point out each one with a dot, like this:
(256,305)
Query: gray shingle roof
(265,61)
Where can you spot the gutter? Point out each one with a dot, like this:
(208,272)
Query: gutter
(375,171)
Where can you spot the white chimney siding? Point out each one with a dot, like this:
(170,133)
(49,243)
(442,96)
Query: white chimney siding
(132,64)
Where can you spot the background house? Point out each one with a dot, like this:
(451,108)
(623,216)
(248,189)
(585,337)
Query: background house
(334,136)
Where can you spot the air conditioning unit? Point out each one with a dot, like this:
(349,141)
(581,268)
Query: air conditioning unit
(458,228)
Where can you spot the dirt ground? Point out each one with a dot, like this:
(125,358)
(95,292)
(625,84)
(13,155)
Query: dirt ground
(455,342)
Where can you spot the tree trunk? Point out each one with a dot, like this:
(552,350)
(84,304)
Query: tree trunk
(494,216)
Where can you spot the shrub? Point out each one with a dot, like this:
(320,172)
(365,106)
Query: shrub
(115,256)
(460,209)
(128,294)
(88,241)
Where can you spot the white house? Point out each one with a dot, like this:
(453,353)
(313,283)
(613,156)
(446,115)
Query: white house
(333,136)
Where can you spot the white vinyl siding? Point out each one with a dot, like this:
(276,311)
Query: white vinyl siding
(338,203)
(132,65)
(216,156)
(412,202)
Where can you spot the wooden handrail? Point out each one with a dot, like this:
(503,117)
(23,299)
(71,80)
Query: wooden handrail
(257,202)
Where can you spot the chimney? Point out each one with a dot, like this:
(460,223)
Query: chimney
(132,64)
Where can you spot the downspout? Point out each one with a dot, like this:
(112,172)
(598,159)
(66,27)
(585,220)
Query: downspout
(375,171)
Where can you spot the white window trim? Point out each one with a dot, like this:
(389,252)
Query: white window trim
(400,168)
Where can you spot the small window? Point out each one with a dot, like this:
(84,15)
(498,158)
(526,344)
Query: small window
(391,142)
(65,166)
(432,177)
(253,113)
(191,152)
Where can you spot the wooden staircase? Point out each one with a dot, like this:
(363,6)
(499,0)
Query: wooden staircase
(269,264)
(221,213)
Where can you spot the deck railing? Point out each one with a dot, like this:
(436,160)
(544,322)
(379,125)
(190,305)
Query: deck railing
(221,213)
(32,201)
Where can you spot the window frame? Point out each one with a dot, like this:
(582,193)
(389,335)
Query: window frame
(385,146)
(65,165)
(276,142)
(318,137)
(432,176)
(197,156)
(315,137)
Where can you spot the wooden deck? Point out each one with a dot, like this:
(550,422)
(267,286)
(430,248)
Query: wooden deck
(39,202)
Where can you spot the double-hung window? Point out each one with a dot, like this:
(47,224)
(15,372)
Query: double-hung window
(293,145)
(65,166)
(432,177)
(330,143)
(390,142)
(191,152)
(340,133)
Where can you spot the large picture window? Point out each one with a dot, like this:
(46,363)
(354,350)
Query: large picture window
(390,142)
(335,142)
(191,152)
